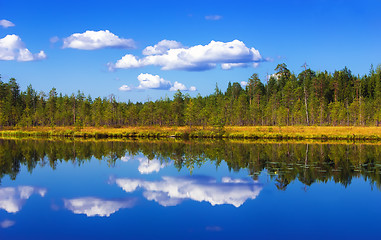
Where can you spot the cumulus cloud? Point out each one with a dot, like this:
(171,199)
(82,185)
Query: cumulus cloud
(162,47)
(125,88)
(192,89)
(171,191)
(213,17)
(196,58)
(6,24)
(149,81)
(12,48)
(179,86)
(7,223)
(243,83)
(127,61)
(91,206)
(91,40)
(13,198)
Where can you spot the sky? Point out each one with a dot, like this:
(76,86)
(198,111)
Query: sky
(146,50)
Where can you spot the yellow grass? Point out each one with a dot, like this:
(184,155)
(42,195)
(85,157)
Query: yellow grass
(310,131)
(234,132)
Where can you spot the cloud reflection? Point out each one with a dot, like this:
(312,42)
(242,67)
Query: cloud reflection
(91,206)
(171,191)
(7,223)
(213,228)
(146,165)
(12,198)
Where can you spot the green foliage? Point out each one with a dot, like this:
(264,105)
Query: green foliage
(310,98)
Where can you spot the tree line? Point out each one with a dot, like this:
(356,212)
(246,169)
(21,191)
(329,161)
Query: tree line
(285,99)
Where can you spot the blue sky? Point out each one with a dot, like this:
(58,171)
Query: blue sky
(328,35)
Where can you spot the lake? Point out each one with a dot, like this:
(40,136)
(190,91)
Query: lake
(171,189)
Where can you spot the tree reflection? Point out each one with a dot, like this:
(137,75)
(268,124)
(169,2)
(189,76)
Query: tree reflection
(284,162)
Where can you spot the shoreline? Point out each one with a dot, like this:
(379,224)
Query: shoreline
(230,132)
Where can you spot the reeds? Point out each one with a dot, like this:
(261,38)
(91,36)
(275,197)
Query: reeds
(230,132)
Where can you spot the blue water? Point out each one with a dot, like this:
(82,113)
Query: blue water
(141,199)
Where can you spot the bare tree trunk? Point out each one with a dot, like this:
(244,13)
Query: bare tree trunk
(305,102)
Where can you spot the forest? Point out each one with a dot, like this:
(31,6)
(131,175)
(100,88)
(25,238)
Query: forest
(284,99)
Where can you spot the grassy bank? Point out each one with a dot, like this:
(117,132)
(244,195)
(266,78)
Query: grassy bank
(236,132)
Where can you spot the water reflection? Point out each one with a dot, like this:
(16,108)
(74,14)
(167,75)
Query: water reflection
(171,191)
(13,198)
(91,206)
(284,162)
(146,166)
(212,184)
(7,223)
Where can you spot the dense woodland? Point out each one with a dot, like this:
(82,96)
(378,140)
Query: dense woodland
(309,98)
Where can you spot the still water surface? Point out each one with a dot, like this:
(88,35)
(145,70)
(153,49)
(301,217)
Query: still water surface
(66,189)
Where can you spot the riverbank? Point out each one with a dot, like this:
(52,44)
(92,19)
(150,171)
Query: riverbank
(230,132)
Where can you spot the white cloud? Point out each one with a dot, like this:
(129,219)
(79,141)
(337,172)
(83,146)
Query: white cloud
(25,55)
(6,24)
(243,83)
(171,191)
(179,86)
(256,64)
(162,47)
(196,58)
(91,206)
(12,199)
(125,88)
(274,75)
(149,81)
(7,223)
(12,48)
(91,40)
(128,61)
(213,17)
(228,66)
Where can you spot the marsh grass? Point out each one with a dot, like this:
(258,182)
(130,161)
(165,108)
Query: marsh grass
(230,132)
